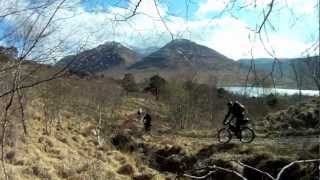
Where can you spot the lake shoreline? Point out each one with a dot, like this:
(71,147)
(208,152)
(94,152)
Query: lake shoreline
(260,91)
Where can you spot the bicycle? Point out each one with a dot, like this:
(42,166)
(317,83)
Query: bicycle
(225,134)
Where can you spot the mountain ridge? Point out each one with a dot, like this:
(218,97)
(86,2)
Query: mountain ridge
(103,57)
(182,53)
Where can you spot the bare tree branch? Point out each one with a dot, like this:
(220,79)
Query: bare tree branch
(162,20)
(42,31)
(255,169)
(200,177)
(134,12)
(42,6)
(212,170)
(266,16)
(20,99)
(295,162)
(5,119)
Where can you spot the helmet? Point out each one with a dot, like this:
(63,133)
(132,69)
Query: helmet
(230,103)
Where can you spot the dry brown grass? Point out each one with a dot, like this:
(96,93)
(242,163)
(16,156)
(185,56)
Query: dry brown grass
(72,151)
(67,153)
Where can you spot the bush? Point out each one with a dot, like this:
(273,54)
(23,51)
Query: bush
(221,92)
(272,100)
(296,123)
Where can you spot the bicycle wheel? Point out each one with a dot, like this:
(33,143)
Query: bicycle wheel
(224,135)
(247,135)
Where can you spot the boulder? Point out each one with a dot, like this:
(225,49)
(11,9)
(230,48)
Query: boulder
(126,169)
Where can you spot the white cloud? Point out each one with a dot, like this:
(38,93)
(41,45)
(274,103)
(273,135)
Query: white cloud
(232,38)
(226,35)
(258,3)
(211,5)
(303,7)
(295,6)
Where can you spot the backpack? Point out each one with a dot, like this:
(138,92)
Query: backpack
(239,108)
(147,119)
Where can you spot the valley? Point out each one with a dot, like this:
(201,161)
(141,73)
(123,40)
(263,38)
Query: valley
(159,90)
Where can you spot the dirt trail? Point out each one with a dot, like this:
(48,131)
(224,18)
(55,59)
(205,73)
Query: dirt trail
(299,141)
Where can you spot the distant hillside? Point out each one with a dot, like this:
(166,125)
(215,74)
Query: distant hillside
(10,52)
(282,64)
(284,69)
(104,57)
(182,53)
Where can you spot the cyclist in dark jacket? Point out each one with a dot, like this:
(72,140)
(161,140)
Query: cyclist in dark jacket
(236,110)
(147,122)
(146,119)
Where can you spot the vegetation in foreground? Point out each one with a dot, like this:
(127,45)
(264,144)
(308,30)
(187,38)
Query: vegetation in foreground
(87,128)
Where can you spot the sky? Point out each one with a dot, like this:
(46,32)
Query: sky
(228,26)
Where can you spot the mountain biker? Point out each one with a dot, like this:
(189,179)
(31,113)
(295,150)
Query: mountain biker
(236,110)
(139,112)
(146,119)
(147,122)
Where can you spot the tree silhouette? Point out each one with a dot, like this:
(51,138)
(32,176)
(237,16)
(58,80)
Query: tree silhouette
(156,85)
(128,83)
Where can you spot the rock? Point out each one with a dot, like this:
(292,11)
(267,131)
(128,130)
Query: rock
(126,169)
(10,155)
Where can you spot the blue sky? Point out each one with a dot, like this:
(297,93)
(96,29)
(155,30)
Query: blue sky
(219,24)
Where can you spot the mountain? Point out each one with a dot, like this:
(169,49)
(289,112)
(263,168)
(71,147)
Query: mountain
(8,52)
(107,56)
(182,53)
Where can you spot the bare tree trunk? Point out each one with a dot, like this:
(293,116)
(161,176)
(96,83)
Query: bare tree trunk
(298,79)
(98,129)
(20,98)
(46,119)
